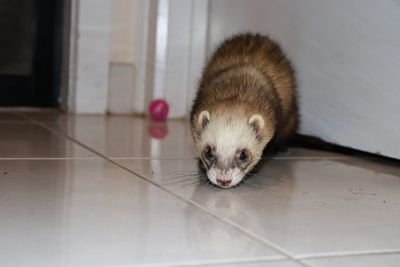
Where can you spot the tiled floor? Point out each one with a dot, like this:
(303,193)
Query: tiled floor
(122,191)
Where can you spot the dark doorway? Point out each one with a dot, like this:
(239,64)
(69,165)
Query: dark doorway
(30,52)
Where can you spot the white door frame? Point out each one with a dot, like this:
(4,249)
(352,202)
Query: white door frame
(170,52)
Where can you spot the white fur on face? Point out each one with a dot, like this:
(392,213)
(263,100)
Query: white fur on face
(212,175)
(235,175)
(228,135)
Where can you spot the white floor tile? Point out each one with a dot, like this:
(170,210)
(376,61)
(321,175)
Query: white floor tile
(9,117)
(306,207)
(134,137)
(130,137)
(92,213)
(384,260)
(28,140)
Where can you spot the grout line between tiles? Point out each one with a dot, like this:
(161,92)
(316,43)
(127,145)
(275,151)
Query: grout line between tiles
(27,119)
(270,244)
(347,254)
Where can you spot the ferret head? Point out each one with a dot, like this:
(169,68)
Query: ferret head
(230,144)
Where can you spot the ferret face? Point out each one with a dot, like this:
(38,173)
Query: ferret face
(229,147)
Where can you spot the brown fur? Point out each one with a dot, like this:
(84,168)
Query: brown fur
(249,73)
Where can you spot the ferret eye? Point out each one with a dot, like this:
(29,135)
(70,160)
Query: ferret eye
(243,155)
(209,154)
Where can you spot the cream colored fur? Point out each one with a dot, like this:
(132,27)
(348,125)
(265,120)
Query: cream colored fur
(227,134)
(235,175)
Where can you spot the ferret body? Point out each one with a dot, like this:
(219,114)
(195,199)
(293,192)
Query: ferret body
(246,100)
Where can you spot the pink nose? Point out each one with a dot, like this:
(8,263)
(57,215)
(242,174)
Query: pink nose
(224,182)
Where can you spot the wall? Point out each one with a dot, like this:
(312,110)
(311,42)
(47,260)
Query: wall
(88,56)
(124,53)
(149,60)
(101,56)
(122,72)
(347,56)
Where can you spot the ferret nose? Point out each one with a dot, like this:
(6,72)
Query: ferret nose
(224,182)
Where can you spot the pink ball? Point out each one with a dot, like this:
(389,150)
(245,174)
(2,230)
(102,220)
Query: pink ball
(158,109)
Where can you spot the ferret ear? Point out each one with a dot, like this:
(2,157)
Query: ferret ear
(203,119)
(256,121)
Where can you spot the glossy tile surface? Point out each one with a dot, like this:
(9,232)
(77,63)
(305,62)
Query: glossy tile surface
(140,199)
(92,213)
(385,260)
(28,140)
(134,137)
(9,117)
(307,207)
(130,137)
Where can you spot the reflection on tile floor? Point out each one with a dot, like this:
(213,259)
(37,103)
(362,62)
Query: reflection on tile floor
(384,260)
(305,206)
(28,140)
(141,200)
(92,213)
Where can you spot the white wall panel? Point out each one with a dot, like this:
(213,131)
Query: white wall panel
(347,55)
(90,30)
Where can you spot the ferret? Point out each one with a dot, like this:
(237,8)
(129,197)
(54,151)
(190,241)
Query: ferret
(246,101)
